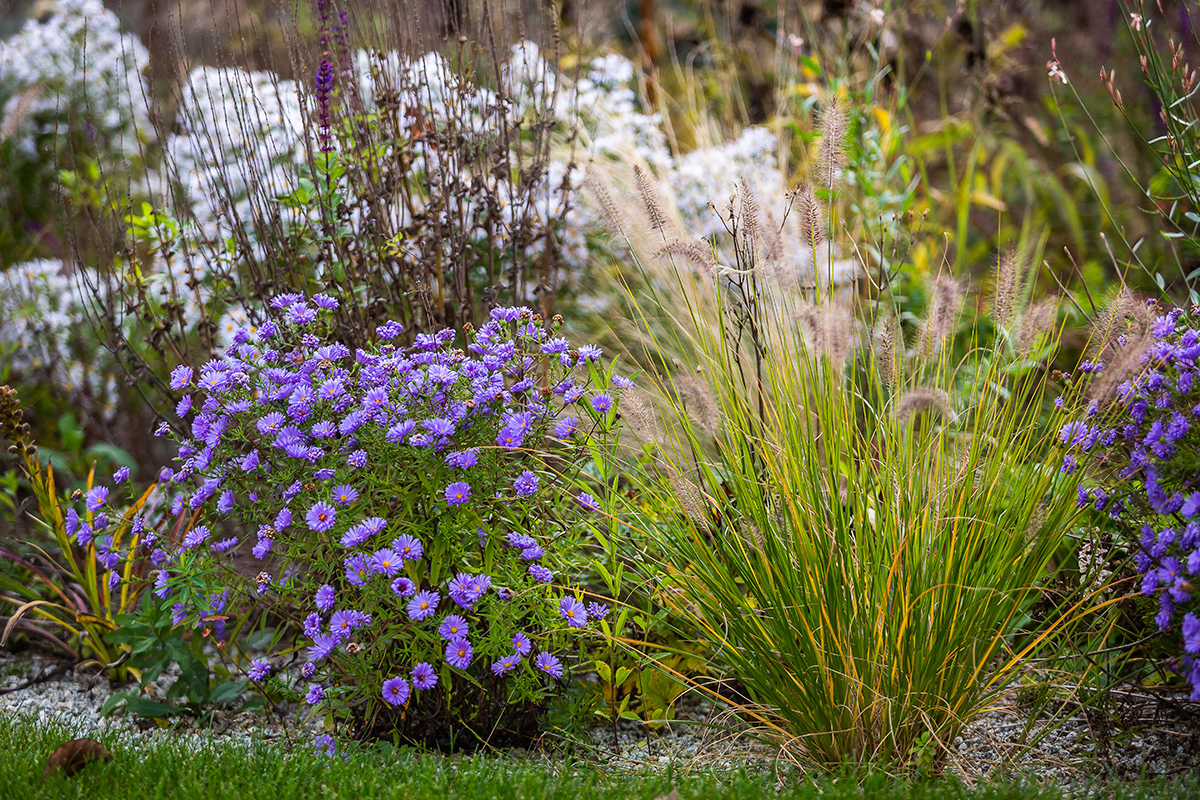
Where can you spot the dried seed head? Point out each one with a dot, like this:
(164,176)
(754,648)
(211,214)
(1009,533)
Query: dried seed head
(1127,315)
(921,401)
(696,254)
(751,231)
(888,346)
(831,152)
(829,329)
(1009,277)
(808,217)
(651,204)
(604,199)
(690,497)
(1038,318)
(940,324)
(637,410)
(697,399)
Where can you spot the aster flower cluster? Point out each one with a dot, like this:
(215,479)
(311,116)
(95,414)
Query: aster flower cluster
(1146,446)
(401,502)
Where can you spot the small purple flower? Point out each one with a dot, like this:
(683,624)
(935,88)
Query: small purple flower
(259,668)
(312,625)
(463,459)
(181,376)
(96,497)
(597,611)
(423,677)
(121,475)
(540,573)
(325,598)
(409,547)
(1191,633)
(403,587)
(459,653)
(423,605)
(321,517)
(315,694)
(506,664)
(549,664)
(357,459)
(458,493)
(522,644)
(385,562)
(587,501)
(395,691)
(526,485)
(573,611)
(565,427)
(223,545)
(344,494)
(453,626)
(602,404)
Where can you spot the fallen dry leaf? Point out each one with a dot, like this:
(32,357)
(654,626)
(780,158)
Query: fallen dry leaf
(72,756)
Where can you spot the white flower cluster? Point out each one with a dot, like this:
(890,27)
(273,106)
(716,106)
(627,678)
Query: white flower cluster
(75,68)
(41,313)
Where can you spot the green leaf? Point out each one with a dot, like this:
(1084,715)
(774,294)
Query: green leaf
(604,671)
(149,708)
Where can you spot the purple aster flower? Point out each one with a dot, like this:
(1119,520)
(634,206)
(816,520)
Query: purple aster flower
(344,622)
(282,519)
(506,664)
(403,587)
(195,537)
(223,545)
(357,459)
(312,625)
(549,664)
(181,376)
(395,691)
(308,670)
(184,405)
(121,475)
(511,437)
(225,502)
(458,493)
(565,427)
(540,573)
(250,461)
(522,644)
(259,668)
(325,598)
(589,352)
(385,562)
(463,459)
(323,429)
(322,300)
(423,676)
(573,611)
(423,605)
(622,383)
(321,516)
(96,497)
(72,521)
(409,547)
(587,501)
(1191,633)
(162,584)
(262,547)
(389,330)
(602,403)
(357,570)
(526,485)
(344,494)
(323,474)
(315,694)
(533,553)
(459,653)
(453,626)
(597,611)
(466,589)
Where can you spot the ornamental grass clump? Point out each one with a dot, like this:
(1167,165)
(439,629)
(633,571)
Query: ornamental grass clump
(408,509)
(1141,438)
(865,518)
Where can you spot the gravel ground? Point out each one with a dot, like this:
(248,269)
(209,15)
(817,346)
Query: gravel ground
(1141,734)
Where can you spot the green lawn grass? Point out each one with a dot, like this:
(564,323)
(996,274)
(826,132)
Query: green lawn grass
(173,770)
